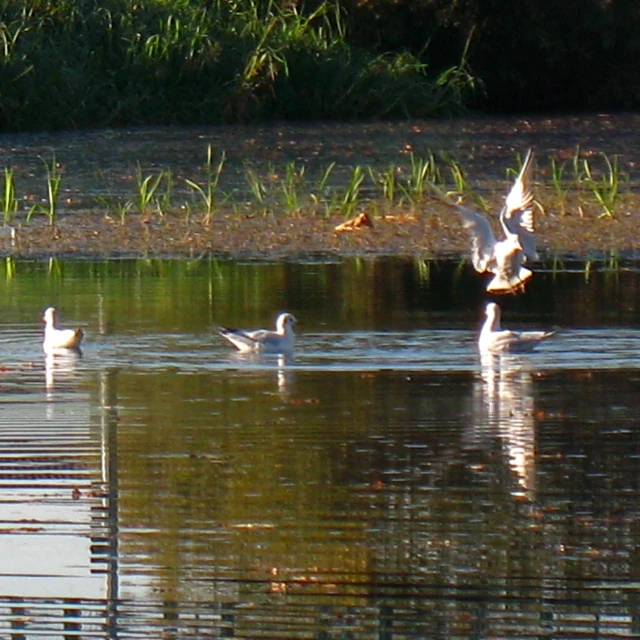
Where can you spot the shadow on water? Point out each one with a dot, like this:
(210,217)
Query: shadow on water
(383,483)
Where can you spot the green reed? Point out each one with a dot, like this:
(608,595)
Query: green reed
(116,206)
(148,190)
(208,191)
(387,180)
(606,187)
(258,190)
(423,171)
(320,193)
(9,202)
(350,199)
(560,186)
(290,187)
(54,180)
(461,186)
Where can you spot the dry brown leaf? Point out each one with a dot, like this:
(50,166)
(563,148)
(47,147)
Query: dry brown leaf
(360,222)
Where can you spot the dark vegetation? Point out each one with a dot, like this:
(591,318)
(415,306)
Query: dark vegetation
(92,63)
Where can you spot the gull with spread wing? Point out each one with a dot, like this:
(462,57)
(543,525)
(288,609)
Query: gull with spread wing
(281,340)
(504,258)
(495,340)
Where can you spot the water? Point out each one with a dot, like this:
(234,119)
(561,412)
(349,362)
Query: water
(105,163)
(384,483)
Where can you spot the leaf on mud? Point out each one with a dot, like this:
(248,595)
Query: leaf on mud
(362,221)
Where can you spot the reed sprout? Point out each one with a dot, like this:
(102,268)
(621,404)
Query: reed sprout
(319,194)
(54,180)
(209,190)
(116,206)
(350,199)
(605,188)
(148,186)
(9,201)
(560,187)
(290,187)
(387,181)
(258,190)
(422,172)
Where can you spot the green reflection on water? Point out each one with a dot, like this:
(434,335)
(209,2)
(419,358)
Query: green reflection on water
(124,295)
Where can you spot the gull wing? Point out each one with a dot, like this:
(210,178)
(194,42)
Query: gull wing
(517,341)
(243,340)
(483,241)
(517,214)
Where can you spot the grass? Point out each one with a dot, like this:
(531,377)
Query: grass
(9,201)
(53,182)
(208,192)
(605,187)
(148,190)
(576,186)
(290,188)
(174,62)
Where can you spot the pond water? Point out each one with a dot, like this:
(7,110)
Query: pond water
(383,483)
(106,163)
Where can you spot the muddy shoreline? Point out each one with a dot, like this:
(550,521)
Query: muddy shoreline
(433,233)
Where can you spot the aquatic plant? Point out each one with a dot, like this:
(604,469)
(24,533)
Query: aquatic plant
(54,179)
(209,190)
(115,206)
(148,186)
(461,187)
(387,180)
(423,171)
(319,195)
(290,187)
(9,201)
(560,187)
(258,189)
(350,199)
(605,189)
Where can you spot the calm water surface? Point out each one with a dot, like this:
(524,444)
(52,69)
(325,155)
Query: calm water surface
(384,483)
(105,163)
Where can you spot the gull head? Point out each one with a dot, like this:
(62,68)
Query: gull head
(50,317)
(285,321)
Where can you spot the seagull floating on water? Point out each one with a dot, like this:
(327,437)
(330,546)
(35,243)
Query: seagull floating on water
(263,340)
(495,340)
(504,258)
(55,338)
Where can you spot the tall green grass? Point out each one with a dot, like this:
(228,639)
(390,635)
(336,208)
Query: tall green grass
(66,64)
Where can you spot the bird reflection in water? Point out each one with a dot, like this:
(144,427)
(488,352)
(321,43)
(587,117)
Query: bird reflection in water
(507,409)
(60,367)
(281,362)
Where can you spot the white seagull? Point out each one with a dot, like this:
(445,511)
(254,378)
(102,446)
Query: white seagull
(263,340)
(504,258)
(495,340)
(55,338)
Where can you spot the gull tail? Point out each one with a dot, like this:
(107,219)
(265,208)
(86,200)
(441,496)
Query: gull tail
(237,338)
(513,283)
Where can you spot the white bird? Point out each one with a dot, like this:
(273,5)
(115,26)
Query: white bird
(55,338)
(504,258)
(263,340)
(494,339)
